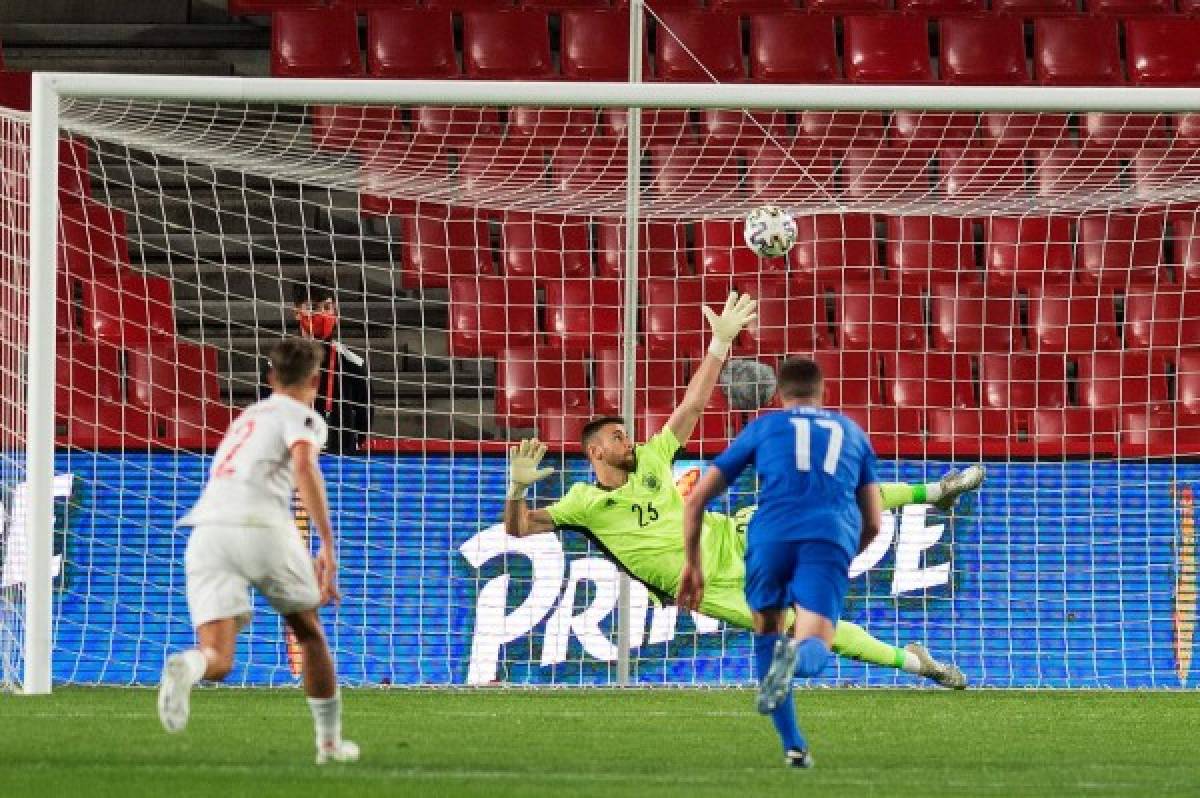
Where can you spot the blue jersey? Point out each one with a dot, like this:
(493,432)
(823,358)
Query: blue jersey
(810,464)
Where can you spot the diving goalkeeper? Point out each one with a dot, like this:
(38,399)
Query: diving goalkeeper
(634,511)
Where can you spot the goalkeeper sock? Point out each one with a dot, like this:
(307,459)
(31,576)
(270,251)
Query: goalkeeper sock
(898,494)
(852,641)
(327,719)
(784,716)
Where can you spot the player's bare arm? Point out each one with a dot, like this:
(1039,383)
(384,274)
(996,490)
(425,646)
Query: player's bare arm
(311,487)
(691,578)
(870,504)
(739,311)
(519,519)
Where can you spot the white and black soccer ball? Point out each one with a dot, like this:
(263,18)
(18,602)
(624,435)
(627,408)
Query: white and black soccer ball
(770,231)
(748,384)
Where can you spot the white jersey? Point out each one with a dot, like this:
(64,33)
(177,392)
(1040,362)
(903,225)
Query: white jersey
(250,481)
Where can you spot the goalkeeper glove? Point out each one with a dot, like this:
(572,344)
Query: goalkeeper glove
(738,312)
(523,468)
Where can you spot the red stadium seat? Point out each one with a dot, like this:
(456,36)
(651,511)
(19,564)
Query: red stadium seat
(1161,316)
(16,90)
(584,315)
(839,130)
(562,431)
(1122,379)
(753,6)
(1129,7)
(552,127)
(1122,133)
(1027,251)
(930,249)
(1022,131)
(788,321)
(940,7)
(1034,8)
(597,168)
(91,236)
(921,133)
(792,48)
(744,130)
(723,250)
(986,50)
(443,241)
(546,246)
(870,320)
(490,313)
(1114,248)
(659,381)
(835,247)
(176,383)
(674,322)
(851,378)
(1161,51)
(699,46)
(1187,376)
(799,167)
(89,401)
(1074,430)
(965,320)
(984,169)
(595,44)
(125,307)
(1076,51)
(562,5)
(1155,167)
(711,435)
(74,182)
(367,129)
(411,43)
(508,44)
(686,172)
(315,43)
(1022,381)
(663,126)
(531,383)
(1157,432)
(469,5)
(966,431)
(881,173)
(886,49)
(1067,170)
(662,248)
(1185,229)
(847,6)
(932,379)
(366,6)
(1059,322)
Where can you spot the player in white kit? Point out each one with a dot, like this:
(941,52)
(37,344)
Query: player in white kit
(243,535)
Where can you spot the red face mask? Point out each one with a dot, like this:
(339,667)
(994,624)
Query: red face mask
(319,325)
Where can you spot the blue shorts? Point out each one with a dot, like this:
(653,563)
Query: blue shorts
(806,573)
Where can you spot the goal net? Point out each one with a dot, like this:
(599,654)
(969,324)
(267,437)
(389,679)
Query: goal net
(977,284)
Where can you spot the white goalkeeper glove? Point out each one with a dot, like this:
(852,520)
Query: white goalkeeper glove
(523,468)
(738,312)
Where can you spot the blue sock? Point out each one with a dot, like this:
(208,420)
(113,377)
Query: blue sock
(812,657)
(784,716)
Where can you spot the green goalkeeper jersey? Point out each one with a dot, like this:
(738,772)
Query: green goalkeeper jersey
(640,524)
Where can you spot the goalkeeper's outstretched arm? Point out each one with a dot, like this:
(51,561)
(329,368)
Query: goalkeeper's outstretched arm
(519,519)
(738,312)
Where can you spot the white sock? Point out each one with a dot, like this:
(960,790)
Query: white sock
(196,664)
(911,663)
(327,719)
(933,491)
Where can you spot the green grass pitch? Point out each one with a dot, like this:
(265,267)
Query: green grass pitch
(107,742)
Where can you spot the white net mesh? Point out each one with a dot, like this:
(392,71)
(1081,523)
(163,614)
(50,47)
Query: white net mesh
(975,285)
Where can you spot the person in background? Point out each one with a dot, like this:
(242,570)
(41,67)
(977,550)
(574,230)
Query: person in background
(343,388)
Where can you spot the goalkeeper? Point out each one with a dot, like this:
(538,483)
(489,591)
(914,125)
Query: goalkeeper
(634,511)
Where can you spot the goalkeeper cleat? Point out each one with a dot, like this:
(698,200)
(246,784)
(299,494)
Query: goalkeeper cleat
(945,675)
(174,694)
(799,759)
(956,483)
(341,751)
(778,681)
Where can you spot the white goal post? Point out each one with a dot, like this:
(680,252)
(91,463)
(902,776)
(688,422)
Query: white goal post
(88,102)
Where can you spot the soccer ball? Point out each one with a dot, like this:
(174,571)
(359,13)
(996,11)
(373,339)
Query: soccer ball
(748,384)
(769,231)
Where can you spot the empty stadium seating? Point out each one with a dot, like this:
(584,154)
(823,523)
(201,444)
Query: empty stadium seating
(546,246)
(1027,252)
(1114,248)
(534,383)
(673,320)
(1076,51)
(1162,51)
(930,249)
(1072,323)
(886,49)
(663,248)
(442,241)
(985,49)
(792,48)
(175,382)
(411,43)
(509,44)
(699,46)
(595,44)
(1161,316)
(91,236)
(659,380)
(124,307)
(965,319)
(869,319)
(90,409)
(583,315)
(835,247)
(723,250)
(490,313)
(1022,381)
(1131,379)
(933,379)
(790,319)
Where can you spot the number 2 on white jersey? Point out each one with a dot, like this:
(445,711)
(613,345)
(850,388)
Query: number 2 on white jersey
(804,444)
(240,434)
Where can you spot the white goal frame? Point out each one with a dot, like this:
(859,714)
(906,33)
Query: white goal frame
(49,89)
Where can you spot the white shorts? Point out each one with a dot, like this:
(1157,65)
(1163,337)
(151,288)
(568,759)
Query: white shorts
(223,562)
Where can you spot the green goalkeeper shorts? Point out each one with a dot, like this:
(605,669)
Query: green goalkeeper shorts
(725,568)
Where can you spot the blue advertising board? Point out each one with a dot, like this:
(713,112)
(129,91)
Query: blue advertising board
(1062,574)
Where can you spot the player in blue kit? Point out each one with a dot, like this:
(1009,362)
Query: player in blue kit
(818,506)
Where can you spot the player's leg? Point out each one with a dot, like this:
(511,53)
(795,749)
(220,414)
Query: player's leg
(853,642)
(320,685)
(941,494)
(219,604)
